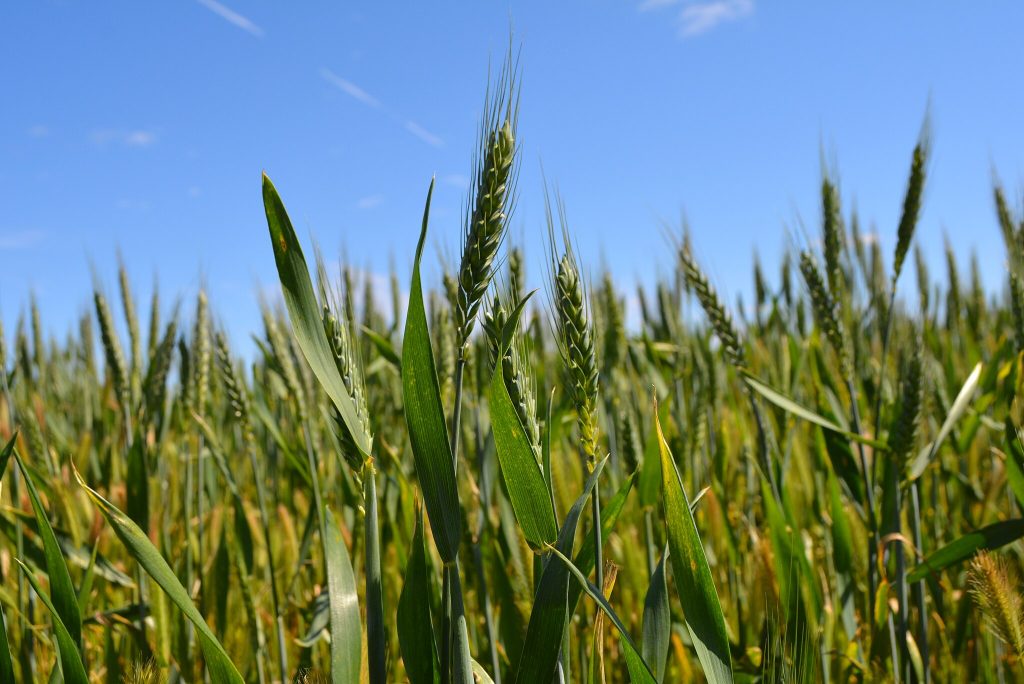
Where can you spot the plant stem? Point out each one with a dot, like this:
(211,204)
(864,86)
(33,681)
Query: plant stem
(375,639)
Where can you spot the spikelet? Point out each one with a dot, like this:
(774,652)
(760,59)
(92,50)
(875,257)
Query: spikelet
(628,439)
(238,396)
(517,273)
(923,280)
(576,343)
(832,233)
(201,354)
(994,588)
(282,358)
(153,339)
(760,286)
(1006,222)
(132,320)
(154,387)
(491,203)
(111,347)
(1017,307)
(903,434)
(825,311)
(87,350)
(718,315)
(444,335)
(614,326)
(38,346)
(953,303)
(912,199)
(339,335)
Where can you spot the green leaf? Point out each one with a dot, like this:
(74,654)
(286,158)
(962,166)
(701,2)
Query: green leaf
(960,404)
(384,346)
(304,312)
(5,455)
(527,490)
(222,670)
(70,658)
(415,626)
(424,416)
(790,406)
(657,624)
(1014,460)
(346,630)
(701,608)
(6,665)
(638,669)
(65,598)
(989,537)
(539,658)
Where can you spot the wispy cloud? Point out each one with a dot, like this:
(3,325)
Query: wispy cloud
(423,134)
(701,17)
(38,131)
(232,17)
(350,88)
(129,138)
(456,180)
(20,239)
(370,201)
(358,93)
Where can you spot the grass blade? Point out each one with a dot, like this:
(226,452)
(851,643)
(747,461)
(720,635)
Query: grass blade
(305,313)
(527,490)
(65,598)
(790,406)
(657,623)
(963,399)
(539,658)
(702,610)
(222,670)
(425,419)
(346,630)
(70,659)
(983,539)
(638,669)
(415,626)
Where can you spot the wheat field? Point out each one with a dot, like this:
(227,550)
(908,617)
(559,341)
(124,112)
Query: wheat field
(503,481)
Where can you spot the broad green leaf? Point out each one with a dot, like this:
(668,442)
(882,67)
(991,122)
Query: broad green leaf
(989,537)
(424,416)
(6,664)
(65,598)
(657,623)
(415,627)
(346,629)
(638,669)
(790,406)
(701,608)
(539,658)
(70,658)
(221,669)
(960,404)
(305,313)
(523,478)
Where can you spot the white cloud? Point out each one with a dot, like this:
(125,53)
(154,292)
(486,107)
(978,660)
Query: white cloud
(129,138)
(232,17)
(38,131)
(20,239)
(423,134)
(701,17)
(370,201)
(349,88)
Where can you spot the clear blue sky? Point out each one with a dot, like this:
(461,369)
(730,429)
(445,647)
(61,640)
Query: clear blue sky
(144,127)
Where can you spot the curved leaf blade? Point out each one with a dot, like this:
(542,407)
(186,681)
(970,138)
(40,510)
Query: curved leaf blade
(960,404)
(70,659)
(701,607)
(346,629)
(415,626)
(424,416)
(657,622)
(222,670)
(304,311)
(985,538)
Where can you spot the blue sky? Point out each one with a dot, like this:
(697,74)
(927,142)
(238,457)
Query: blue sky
(144,127)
